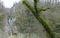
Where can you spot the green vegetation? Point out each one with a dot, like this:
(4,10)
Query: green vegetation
(46,24)
(30,19)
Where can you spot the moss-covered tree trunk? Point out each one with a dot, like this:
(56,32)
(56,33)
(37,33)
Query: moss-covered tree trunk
(37,13)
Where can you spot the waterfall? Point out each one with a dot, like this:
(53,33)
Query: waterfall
(9,27)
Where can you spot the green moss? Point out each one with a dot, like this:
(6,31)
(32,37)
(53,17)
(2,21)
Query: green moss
(45,23)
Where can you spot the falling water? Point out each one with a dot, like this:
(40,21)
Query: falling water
(9,28)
